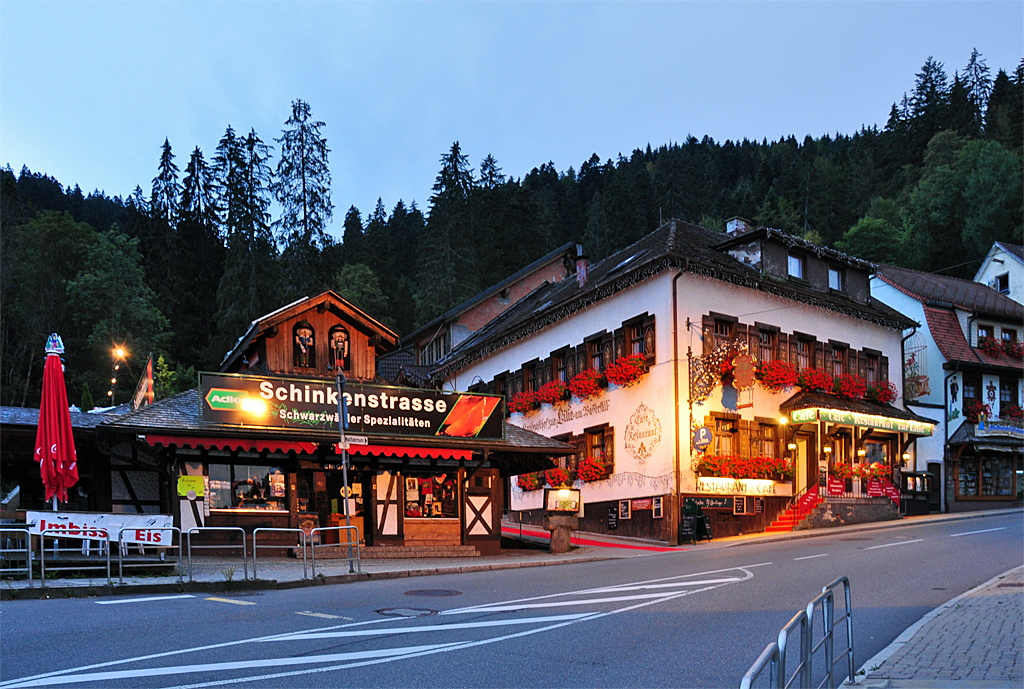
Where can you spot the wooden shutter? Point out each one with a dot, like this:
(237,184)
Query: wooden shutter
(819,356)
(708,329)
(609,451)
(743,438)
(782,347)
(620,344)
(883,368)
(649,343)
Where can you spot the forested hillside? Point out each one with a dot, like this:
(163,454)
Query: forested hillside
(182,270)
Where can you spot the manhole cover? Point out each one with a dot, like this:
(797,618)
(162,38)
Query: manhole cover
(433,593)
(406,612)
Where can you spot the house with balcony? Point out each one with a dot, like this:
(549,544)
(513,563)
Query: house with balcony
(735,372)
(963,366)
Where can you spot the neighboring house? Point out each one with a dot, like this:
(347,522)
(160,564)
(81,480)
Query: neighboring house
(692,304)
(963,359)
(431,343)
(1003,270)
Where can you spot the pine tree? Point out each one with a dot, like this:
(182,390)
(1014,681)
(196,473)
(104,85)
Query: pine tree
(198,192)
(977,80)
(303,188)
(353,239)
(228,162)
(166,190)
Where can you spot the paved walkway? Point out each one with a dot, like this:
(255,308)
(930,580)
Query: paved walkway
(975,641)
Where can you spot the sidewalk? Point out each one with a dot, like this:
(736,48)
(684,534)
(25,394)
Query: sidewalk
(975,641)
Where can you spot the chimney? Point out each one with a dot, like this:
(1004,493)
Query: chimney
(581,266)
(736,225)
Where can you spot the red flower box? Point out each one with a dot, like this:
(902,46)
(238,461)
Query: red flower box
(524,402)
(556,477)
(528,482)
(850,387)
(1014,348)
(553,392)
(776,376)
(590,470)
(990,346)
(815,380)
(586,384)
(882,393)
(974,409)
(731,466)
(1014,412)
(626,370)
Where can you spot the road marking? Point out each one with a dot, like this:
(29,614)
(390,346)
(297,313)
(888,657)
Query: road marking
(141,600)
(558,604)
(322,615)
(220,667)
(889,545)
(810,557)
(303,636)
(642,587)
(233,602)
(969,533)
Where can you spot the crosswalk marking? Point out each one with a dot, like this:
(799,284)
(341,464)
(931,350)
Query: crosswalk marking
(228,600)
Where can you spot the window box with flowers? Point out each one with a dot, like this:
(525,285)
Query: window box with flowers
(1013,412)
(815,380)
(587,384)
(850,387)
(590,470)
(732,466)
(1014,349)
(883,392)
(626,370)
(556,477)
(524,402)
(776,376)
(990,346)
(528,482)
(553,392)
(975,408)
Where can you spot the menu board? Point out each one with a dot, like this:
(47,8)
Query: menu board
(688,528)
(613,518)
(711,502)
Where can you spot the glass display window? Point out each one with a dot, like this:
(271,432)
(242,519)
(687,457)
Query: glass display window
(246,486)
(432,496)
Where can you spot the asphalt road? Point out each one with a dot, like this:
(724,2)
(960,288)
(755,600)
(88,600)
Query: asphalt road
(696,618)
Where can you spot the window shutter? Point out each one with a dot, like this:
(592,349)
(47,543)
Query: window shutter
(862,366)
(649,344)
(570,364)
(782,347)
(819,356)
(607,349)
(620,344)
(517,378)
(609,451)
(743,439)
(827,355)
(883,373)
(708,329)
(545,371)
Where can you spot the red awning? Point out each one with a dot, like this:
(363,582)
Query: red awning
(245,444)
(398,451)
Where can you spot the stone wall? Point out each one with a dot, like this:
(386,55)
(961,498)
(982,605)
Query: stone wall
(845,511)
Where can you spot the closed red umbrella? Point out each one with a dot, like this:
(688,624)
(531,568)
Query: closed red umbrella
(55,446)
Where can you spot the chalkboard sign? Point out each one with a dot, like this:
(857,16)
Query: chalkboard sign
(740,505)
(688,528)
(758,505)
(613,518)
(711,502)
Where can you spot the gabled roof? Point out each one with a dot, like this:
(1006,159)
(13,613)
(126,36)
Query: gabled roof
(948,292)
(945,329)
(492,290)
(675,245)
(326,300)
(1015,250)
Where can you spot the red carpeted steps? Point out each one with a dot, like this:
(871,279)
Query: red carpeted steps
(788,520)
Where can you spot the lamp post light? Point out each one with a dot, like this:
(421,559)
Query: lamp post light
(118,354)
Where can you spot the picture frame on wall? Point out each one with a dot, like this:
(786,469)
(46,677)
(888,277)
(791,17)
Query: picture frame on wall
(657,508)
(412,488)
(624,511)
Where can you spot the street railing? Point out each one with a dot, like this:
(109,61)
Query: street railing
(506,515)
(313,545)
(122,548)
(9,548)
(218,546)
(77,564)
(300,544)
(774,655)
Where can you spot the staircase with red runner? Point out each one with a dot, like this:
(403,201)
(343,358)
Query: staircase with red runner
(788,520)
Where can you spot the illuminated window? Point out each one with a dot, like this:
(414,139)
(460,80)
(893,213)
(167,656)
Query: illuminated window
(768,440)
(838,361)
(766,345)
(871,370)
(803,354)
(724,431)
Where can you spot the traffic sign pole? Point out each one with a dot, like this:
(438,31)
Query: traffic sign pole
(343,444)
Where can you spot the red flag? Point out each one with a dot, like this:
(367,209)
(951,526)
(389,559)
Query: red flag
(55,445)
(144,392)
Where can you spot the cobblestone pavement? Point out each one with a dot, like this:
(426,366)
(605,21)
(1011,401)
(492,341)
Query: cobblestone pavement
(975,641)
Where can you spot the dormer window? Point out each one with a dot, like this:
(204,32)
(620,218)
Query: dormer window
(836,279)
(984,331)
(304,345)
(796,266)
(1008,335)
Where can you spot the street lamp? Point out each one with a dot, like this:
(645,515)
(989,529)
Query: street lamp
(118,354)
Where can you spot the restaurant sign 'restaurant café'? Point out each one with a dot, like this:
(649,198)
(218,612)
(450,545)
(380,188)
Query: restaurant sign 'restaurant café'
(311,404)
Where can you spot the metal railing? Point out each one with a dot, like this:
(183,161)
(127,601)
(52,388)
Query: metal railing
(300,544)
(7,549)
(506,514)
(313,545)
(207,529)
(774,655)
(122,548)
(74,535)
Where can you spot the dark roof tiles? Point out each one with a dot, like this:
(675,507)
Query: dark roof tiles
(942,290)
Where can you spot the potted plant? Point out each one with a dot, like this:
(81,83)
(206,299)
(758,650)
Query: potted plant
(528,482)
(626,370)
(1013,412)
(1013,348)
(975,409)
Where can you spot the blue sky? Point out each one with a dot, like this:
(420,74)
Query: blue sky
(89,91)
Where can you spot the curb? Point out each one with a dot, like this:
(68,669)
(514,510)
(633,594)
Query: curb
(904,638)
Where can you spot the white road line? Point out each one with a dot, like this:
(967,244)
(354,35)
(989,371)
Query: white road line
(322,615)
(643,587)
(889,545)
(302,636)
(970,533)
(228,600)
(809,557)
(511,607)
(220,667)
(141,600)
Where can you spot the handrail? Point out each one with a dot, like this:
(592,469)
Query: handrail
(507,512)
(78,534)
(848,617)
(268,529)
(769,658)
(774,655)
(28,553)
(313,545)
(198,529)
(121,547)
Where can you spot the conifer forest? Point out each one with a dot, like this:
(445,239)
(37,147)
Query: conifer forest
(182,265)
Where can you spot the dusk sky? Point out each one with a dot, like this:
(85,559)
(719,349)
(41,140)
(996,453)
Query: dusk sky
(89,91)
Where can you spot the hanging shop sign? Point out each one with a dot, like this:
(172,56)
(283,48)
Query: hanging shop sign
(743,486)
(852,418)
(985,429)
(312,404)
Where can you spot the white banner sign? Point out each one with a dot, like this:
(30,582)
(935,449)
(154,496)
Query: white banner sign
(142,528)
(744,486)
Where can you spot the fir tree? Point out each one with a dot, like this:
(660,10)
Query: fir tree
(166,190)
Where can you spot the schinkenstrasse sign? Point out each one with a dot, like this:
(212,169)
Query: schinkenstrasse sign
(312,404)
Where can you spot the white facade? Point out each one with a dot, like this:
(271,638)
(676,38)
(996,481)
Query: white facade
(1003,271)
